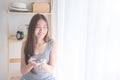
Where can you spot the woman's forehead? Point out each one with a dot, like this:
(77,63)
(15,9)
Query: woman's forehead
(41,21)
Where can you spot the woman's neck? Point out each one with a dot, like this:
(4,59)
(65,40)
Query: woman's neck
(40,42)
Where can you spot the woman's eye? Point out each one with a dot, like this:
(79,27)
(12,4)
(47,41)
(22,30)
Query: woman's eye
(42,27)
(45,27)
(37,27)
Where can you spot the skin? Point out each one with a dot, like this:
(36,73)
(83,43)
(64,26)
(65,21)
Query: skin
(40,32)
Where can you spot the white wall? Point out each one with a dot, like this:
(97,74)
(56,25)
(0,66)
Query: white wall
(3,42)
(3,37)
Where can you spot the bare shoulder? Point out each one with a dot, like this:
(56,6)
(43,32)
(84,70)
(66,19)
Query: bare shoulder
(53,43)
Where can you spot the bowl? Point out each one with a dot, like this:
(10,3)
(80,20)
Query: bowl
(19,5)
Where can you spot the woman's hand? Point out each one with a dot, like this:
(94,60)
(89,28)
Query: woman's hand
(43,63)
(32,63)
(48,68)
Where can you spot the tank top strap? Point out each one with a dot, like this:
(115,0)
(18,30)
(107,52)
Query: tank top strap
(49,44)
(47,52)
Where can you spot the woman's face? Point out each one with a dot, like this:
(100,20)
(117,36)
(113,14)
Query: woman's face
(41,29)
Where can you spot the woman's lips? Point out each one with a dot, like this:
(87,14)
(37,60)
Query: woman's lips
(40,34)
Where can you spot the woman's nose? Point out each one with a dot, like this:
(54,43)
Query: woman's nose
(40,29)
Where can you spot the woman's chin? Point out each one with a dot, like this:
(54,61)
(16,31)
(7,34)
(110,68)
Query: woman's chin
(40,38)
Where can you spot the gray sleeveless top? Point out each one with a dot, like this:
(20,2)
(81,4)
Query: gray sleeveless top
(40,73)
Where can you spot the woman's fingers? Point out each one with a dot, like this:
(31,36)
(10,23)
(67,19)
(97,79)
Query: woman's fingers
(43,60)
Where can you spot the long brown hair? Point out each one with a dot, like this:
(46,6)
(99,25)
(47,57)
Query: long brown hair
(30,42)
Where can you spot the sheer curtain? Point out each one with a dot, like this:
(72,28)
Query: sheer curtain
(103,41)
(72,24)
(88,35)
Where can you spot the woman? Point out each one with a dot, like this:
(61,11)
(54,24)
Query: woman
(38,53)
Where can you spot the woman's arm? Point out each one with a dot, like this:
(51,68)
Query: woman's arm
(25,68)
(53,55)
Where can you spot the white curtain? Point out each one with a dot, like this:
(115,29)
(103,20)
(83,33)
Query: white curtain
(88,35)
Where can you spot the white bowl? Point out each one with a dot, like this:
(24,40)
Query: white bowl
(19,5)
(18,9)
